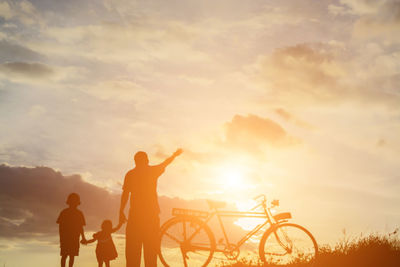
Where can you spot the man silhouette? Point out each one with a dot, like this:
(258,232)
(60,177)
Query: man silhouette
(143,222)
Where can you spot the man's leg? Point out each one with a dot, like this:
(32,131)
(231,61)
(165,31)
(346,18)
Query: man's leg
(151,244)
(133,247)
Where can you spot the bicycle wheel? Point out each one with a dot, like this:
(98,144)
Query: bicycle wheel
(186,241)
(287,243)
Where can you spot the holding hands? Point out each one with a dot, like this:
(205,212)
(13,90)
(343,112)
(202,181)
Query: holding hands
(122,218)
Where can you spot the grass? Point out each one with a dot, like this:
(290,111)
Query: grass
(369,251)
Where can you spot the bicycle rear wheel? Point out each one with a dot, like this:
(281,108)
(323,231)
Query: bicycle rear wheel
(186,241)
(287,243)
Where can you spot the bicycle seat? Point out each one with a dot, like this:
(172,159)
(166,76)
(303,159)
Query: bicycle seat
(213,204)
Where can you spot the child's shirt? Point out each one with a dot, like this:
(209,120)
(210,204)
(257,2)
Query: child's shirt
(71,221)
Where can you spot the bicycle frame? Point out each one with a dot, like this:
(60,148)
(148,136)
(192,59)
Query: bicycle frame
(200,222)
(239,214)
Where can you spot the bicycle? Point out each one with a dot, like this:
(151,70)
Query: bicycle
(186,239)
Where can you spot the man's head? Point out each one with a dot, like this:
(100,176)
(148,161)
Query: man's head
(73,200)
(141,159)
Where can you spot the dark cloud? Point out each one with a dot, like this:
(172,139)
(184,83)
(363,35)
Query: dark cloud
(321,73)
(27,69)
(303,72)
(15,52)
(382,20)
(248,131)
(31,199)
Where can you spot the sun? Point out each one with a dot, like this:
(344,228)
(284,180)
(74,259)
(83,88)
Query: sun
(232,178)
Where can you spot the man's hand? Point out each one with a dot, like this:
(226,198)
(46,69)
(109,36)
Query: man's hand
(178,152)
(168,161)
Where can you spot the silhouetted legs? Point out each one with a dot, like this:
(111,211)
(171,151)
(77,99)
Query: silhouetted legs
(150,250)
(64,259)
(133,248)
(142,232)
(106,263)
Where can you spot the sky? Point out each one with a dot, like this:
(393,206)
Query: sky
(298,100)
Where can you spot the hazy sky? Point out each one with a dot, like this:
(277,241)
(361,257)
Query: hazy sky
(299,100)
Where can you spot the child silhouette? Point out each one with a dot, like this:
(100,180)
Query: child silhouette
(71,222)
(105,249)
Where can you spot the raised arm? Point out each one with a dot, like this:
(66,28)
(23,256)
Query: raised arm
(124,200)
(168,161)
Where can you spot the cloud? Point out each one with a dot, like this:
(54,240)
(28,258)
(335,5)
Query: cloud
(303,71)
(382,24)
(289,117)
(252,131)
(328,73)
(121,90)
(37,111)
(5,10)
(10,51)
(27,72)
(360,7)
(34,73)
(25,69)
(31,199)
(378,20)
(21,11)
(244,137)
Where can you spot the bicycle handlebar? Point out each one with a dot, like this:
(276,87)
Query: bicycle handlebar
(261,196)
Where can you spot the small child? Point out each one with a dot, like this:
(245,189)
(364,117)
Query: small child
(71,222)
(105,249)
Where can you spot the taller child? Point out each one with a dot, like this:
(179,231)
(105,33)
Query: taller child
(143,222)
(71,222)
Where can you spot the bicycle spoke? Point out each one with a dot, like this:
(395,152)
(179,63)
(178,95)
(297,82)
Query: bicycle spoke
(280,242)
(184,258)
(184,230)
(173,238)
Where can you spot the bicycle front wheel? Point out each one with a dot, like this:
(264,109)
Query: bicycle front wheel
(186,241)
(287,243)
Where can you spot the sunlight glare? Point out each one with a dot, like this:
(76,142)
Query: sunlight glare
(233,179)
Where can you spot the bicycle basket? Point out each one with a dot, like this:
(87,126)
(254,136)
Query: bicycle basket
(187,212)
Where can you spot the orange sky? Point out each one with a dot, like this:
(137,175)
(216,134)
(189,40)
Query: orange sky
(295,99)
